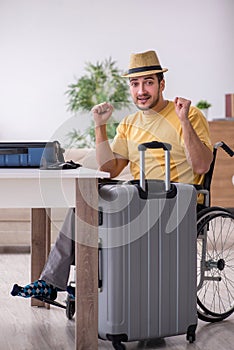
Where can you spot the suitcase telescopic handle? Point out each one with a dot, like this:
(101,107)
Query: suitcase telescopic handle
(155,145)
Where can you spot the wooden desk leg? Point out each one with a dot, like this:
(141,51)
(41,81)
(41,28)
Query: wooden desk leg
(40,245)
(86,246)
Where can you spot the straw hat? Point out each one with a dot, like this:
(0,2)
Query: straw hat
(144,63)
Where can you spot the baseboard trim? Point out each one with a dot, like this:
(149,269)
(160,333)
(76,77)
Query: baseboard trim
(14,249)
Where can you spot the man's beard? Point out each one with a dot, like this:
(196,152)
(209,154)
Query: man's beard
(151,106)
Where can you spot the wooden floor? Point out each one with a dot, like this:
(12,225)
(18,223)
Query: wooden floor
(25,328)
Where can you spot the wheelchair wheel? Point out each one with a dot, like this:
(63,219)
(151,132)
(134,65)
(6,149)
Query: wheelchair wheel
(70,308)
(215,264)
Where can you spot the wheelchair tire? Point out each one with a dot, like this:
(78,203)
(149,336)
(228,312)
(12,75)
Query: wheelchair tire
(70,309)
(215,264)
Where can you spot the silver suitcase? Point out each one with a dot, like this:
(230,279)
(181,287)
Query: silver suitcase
(147,258)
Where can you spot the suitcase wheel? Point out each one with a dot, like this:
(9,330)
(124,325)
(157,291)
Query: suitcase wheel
(191,339)
(118,345)
(191,333)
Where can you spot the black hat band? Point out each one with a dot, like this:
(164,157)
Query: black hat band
(144,69)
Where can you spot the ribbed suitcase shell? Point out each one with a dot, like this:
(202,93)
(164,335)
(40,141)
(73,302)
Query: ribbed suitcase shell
(21,154)
(27,154)
(147,262)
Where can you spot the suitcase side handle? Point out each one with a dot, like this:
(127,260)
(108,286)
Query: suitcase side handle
(100,264)
(155,145)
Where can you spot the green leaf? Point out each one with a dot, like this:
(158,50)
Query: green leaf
(102,82)
(203,104)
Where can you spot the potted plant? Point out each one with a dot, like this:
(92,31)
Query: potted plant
(102,82)
(204,106)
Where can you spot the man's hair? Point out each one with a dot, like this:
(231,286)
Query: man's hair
(160,77)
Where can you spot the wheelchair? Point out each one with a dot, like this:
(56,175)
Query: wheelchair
(215,254)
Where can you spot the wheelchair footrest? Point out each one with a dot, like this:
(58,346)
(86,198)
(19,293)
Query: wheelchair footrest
(49,301)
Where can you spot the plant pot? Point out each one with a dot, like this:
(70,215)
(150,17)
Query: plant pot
(205,112)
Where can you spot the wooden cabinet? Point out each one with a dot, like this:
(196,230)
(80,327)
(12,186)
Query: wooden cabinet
(222,188)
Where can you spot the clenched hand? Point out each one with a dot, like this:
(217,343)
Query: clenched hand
(101,113)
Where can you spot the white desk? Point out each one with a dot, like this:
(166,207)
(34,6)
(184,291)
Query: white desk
(41,190)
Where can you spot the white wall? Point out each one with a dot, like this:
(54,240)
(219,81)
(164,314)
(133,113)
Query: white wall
(44,44)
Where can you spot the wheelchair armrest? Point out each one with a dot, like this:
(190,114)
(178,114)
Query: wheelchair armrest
(201,190)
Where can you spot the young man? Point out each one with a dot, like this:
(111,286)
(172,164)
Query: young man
(158,119)
(177,123)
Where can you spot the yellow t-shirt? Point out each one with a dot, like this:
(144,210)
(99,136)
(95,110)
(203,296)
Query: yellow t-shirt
(164,127)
